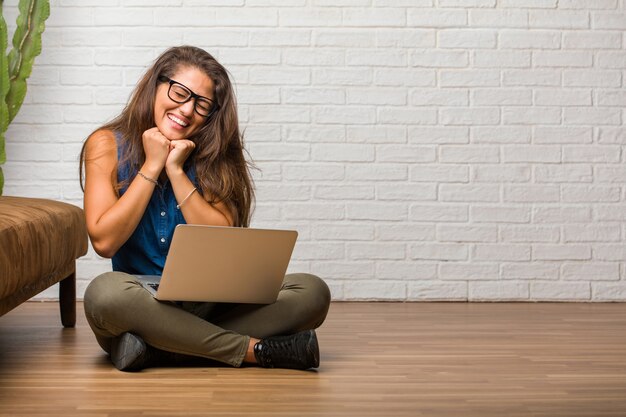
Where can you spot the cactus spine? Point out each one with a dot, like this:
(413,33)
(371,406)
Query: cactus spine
(16,67)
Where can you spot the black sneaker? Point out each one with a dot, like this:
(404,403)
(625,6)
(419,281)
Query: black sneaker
(130,353)
(296,351)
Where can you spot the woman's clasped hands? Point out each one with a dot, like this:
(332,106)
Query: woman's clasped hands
(164,153)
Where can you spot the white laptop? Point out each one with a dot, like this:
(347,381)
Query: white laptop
(223,264)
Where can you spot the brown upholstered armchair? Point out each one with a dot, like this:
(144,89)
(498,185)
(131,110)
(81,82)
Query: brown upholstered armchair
(40,241)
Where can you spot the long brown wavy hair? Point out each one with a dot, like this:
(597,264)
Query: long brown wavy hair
(222,171)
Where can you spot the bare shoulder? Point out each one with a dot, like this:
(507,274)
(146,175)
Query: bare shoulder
(101,144)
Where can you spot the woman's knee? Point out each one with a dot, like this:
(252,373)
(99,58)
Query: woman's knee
(316,293)
(108,291)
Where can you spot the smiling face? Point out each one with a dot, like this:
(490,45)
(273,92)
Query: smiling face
(176,120)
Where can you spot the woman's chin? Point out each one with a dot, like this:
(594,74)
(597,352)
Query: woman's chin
(171,133)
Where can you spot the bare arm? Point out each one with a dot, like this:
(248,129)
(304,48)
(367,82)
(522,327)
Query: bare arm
(195,209)
(111,220)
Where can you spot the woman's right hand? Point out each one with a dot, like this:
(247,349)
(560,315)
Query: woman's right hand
(157,148)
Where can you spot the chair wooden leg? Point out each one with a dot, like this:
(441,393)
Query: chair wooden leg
(67,300)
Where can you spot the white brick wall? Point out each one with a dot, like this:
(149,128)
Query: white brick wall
(424,149)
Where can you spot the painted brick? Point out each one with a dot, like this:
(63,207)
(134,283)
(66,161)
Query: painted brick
(469,78)
(405,38)
(435,58)
(564,173)
(432,97)
(565,59)
(344,232)
(461,38)
(468,271)
(313,17)
(344,270)
(602,291)
(405,77)
(344,192)
(592,271)
(317,134)
(591,40)
(501,252)
(533,153)
(376,134)
(424,150)
(376,96)
(367,17)
(344,38)
(531,193)
(469,154)
(469,193)
(499,214)
(467,233)
(497,290)
(405,153)
(406,192)
(437,291)
(500,134)
(500,18)
(499,173)
(313,211)
(558,19)
(439,251)
(342,153)
(524,39)
(590,194)
(274,37)
(345,114)
(464,116)
(374,251)
(530,234)
(590,233)
(532,271)
(440,174)
(590,153)
(557,134)
(436,18)
(439,135)
(409,271)
(376,211)
(531,116)
(560,291)
(447,213)
(371,290)
(561,215)
(501,96)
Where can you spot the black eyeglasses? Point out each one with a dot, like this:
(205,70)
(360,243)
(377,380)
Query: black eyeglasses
(179,93)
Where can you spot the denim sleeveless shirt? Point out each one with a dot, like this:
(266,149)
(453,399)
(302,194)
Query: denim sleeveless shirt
(145,250)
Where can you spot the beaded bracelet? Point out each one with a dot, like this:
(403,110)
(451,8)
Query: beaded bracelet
(152,180)
(178,206)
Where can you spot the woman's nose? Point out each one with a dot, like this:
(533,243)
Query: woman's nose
(187,107)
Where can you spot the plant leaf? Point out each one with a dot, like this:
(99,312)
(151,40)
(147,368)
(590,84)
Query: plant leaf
(3,154)
(26,46)
(4,79)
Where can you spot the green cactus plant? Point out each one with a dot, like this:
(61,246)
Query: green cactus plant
(16,67)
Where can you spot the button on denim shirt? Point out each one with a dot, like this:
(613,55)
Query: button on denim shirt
(145,250)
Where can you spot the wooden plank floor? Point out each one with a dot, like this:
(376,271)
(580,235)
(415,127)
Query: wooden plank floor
(378,359)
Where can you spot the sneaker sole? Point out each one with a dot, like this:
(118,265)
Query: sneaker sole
(126,351)
(313,348)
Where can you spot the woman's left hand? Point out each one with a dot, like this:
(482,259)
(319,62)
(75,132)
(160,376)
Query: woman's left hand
(179,152)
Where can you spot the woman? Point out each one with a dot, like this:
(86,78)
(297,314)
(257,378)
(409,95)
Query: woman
(175,155)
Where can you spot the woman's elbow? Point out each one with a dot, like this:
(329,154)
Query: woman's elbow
(103,248)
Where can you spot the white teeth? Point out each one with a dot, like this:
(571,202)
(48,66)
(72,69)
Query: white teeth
(177,120)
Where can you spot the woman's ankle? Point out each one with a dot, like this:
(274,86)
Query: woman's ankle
(250,357)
